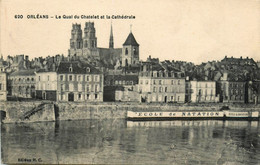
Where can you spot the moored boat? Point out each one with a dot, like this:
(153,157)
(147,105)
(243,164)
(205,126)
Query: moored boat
(192,115)
(229,114)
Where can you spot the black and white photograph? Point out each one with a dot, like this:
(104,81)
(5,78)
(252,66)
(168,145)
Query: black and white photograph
(130,82)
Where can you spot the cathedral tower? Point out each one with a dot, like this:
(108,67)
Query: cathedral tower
(130,51)
(90,39)
(111,39)
(76,37)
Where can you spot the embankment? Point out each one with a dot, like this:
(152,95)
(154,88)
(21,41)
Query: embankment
(15,111)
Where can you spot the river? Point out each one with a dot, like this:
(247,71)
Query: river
(125,142)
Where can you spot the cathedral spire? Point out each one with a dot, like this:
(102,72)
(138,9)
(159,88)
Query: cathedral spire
(111,39)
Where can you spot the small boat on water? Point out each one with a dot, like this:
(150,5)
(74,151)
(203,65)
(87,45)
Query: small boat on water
(192,115)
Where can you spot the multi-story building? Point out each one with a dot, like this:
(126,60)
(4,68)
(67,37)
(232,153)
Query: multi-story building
(253,92)
(46,85)
(3,87)
(158,84)
(203,91)
(121,87)
(22,83)
(79,82)
(232,89)
(187,90)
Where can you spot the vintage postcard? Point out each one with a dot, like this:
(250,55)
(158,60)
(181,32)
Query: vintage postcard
(130,82)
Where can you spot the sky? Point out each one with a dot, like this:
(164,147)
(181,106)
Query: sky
(195,31)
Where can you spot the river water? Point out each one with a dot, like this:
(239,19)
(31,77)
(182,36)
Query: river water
(125,142)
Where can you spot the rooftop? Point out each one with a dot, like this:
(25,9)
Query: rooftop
(131,40)
(30,72)
(76,67)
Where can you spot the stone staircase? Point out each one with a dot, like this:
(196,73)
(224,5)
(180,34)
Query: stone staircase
(30,113)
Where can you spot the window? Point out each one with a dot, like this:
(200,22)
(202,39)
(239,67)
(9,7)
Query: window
(72,45)
(70,87)
(154,82)
(96,96)
(28,79)
(154,89)
(79,96)
(160,89)
(87,96)
(79,78)
(146,82)
(62,87)
(172,82)
(70,69)
(32,79)
(87,78)
(96,78)
(160,82)
(126,51)
(96,88)
(141,81)
(79,87)
(38,78)
(61,77)
(48,78)
(135,51)
(70,77)
(165,89)
(179,82)
(0,87)
(88,88)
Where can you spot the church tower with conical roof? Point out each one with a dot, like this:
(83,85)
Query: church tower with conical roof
(130,51)
(111,38)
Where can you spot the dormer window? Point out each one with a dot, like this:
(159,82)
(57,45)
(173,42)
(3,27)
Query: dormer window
(88,69)
(70,69)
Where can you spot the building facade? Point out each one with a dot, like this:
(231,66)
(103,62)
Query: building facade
(3,87)
(233,91)
(79,82)
(203,91)
(253,92)
(46,85)
(157,84)
(22,83)
(121,87)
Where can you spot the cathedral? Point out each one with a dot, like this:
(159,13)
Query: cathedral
(85,47)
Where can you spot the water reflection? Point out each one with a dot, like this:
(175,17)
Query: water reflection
(120,141)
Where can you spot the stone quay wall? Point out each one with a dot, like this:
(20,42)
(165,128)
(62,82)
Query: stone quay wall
(78,111)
